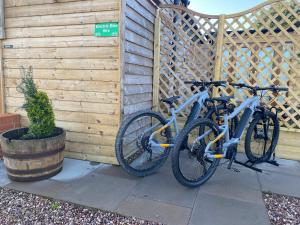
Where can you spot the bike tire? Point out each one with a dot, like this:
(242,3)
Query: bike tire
(119,147)
(250,152)
(182,137)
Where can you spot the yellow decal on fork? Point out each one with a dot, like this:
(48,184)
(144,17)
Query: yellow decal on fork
(164,145)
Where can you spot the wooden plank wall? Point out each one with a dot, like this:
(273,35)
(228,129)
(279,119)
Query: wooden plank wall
(138,56)
(79,72)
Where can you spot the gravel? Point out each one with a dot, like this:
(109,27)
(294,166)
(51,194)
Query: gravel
(23,208)
(282,210)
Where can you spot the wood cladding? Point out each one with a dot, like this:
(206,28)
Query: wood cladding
(79,72)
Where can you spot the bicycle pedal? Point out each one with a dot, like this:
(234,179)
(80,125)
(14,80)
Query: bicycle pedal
(235,170)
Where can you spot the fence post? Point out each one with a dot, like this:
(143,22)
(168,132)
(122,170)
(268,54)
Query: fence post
(218,58)
(156,66)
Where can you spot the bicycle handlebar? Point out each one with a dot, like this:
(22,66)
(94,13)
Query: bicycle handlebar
(206,83)
(256,88)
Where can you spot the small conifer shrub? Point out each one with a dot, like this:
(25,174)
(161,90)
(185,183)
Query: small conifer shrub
(38,107)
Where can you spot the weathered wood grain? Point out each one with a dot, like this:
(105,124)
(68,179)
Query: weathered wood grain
(62,74)
(62,42)
(62,20)
(63,8)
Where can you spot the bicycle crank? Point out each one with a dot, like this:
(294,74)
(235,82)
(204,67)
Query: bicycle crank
(231,154)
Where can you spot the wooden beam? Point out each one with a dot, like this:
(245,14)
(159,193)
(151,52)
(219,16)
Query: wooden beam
(2,33)
(218,60)
(156,70)
(122,25)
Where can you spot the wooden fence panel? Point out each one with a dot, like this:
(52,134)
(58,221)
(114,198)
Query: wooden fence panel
(260,46)
(187,51)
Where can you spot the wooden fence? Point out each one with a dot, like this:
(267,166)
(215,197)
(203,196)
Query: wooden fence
(260,46)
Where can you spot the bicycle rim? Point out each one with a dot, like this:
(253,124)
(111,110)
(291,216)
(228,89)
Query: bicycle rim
(136,153)
(193,165)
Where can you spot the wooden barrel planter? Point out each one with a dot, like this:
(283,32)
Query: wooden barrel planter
(32,160)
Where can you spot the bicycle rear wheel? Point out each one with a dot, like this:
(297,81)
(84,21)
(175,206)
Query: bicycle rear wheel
(133,149)
(262,137)
(189,164)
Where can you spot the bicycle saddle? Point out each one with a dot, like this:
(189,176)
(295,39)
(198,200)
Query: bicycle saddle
(223,99)
(170,101)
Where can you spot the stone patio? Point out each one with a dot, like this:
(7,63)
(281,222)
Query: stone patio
(229,198)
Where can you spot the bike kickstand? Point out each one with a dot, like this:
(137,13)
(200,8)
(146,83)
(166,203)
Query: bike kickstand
(247,166)
(273,161)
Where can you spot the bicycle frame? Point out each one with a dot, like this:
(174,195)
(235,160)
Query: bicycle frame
(249,106)
(200,98)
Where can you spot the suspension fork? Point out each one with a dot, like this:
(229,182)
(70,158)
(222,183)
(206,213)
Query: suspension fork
(265,125)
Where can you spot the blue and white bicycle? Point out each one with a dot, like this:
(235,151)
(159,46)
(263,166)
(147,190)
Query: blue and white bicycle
(145,138)
(214,141)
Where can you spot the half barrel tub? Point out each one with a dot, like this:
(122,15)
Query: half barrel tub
(32,160)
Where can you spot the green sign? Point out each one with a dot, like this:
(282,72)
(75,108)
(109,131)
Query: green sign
(109,29)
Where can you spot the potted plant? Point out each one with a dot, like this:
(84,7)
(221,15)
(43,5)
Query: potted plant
(36,152)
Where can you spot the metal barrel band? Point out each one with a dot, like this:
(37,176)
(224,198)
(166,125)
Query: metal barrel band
(34,171)
(34,155)
(32,178)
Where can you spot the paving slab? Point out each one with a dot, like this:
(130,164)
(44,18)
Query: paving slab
(280,183)
(155,211)
(48,188)
(243,185)
(115,171)
(99,191)
(289,167)
(216,210)
(75,169)
(227,198)
(3,176)
(163,187)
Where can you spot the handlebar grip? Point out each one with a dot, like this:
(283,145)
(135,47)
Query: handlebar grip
(218,83)
(236,84)
(206,83)
(281,89)
(188,82)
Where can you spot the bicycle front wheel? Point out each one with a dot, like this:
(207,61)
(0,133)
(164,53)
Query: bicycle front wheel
(134,151)
(262,137)
(190,166)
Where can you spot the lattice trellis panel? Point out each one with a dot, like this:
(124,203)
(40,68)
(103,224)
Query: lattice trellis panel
(187,51)
(261,47)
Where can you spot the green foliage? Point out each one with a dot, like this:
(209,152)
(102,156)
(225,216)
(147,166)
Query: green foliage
(38,107)
(55,205)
